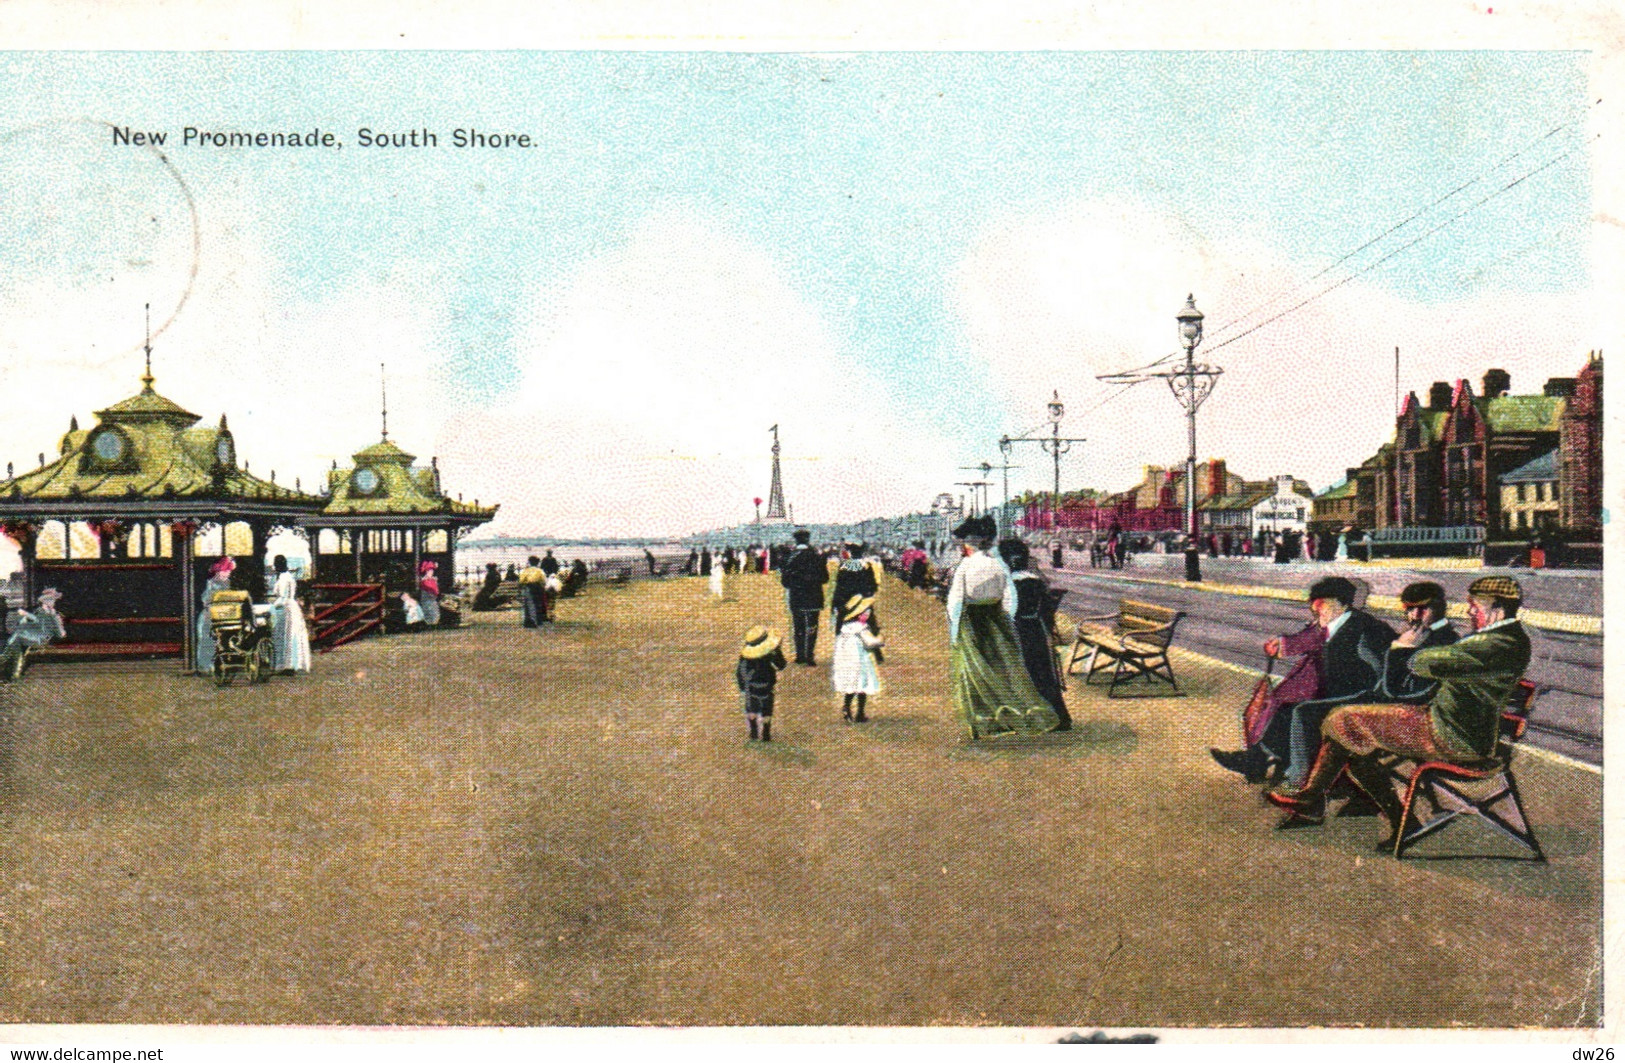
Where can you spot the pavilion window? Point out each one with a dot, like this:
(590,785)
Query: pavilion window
(83,543)
(434,542)
(239,539)
(166,541)
(210,542)
(52,542)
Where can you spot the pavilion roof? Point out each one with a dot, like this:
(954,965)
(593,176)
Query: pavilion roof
(394,487)
(144,448)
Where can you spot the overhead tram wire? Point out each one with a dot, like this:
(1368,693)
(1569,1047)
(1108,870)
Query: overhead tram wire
(1501,163)
(1399,250)
(1125,380)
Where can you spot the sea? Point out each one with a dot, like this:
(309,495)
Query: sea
(609,561)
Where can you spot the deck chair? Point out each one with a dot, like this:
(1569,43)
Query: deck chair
(1486,789)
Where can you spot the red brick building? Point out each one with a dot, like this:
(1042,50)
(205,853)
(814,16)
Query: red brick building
(1444,465)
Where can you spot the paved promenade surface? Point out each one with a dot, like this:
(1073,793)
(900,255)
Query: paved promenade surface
(494,825)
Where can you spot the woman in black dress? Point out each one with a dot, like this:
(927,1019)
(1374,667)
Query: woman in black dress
(1034,618)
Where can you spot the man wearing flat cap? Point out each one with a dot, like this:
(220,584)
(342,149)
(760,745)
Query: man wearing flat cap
(1350,645)
(1461,722)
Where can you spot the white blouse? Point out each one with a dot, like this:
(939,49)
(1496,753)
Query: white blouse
(978,579)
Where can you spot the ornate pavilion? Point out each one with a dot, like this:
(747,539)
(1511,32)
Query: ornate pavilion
(383,518)
(130,515)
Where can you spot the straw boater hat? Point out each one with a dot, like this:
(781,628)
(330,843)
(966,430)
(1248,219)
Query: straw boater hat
(856,606)
(759,642)
(1503,587)
(49,595)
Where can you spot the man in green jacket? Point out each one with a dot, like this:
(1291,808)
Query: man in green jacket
(1461,723)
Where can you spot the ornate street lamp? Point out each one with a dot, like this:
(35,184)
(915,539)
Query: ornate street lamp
(1056,445)
(1191,385)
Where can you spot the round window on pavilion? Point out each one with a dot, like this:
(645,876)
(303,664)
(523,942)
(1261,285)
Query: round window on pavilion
(109,449)
(366,482)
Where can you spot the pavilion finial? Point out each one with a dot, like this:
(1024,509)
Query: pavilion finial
(146,378)
(383,395)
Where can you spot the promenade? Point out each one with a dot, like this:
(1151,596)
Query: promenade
(492,825)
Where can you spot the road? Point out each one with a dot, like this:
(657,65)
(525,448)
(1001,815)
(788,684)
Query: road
(1567,717)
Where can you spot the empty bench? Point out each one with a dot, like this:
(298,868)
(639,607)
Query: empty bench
(1132,642)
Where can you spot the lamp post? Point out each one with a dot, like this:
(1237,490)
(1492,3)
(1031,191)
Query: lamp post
(1056,444)
(1191,384)
(985,469)
(1190,387)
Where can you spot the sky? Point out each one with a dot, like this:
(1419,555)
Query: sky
(895,257)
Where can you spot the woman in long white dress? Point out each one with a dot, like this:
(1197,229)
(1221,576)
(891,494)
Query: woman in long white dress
(716,579)
(290,640)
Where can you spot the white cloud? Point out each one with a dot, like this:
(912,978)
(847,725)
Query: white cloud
(297,378)
(651,378)
(1051,301)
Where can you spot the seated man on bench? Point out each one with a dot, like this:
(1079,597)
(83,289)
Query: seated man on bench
(33,630)
(1350,645)
(1459,724)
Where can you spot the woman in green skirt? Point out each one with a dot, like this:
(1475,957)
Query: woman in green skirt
(992,691)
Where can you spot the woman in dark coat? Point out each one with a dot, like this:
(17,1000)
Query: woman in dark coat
(1034,619)
(486,599)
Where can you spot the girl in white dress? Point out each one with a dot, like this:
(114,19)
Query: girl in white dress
(716,578)
(290,640)
(853,670)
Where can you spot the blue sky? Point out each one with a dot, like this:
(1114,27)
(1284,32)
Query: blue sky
(896,256)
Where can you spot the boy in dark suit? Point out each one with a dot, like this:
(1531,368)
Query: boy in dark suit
(760,662)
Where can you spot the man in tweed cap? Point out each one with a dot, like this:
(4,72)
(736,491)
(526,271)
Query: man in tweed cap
(1461,722)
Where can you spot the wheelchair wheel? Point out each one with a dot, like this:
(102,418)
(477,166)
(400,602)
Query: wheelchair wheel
(222,673)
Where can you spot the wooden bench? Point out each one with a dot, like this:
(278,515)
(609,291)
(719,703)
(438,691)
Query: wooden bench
(1133,642)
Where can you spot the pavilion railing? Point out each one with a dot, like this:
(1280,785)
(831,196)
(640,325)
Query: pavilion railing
(344,612)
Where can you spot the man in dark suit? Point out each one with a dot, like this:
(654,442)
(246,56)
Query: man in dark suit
(1352,662)
(1425,626)
(803,576)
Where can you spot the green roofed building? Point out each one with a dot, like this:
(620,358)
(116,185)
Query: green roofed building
(128,516)
(383,518)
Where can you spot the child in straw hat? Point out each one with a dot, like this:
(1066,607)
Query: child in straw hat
(857,648)
(760,662)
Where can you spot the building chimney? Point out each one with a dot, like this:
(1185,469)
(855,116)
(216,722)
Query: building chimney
(1559,387)
(1218,484)
(1439,396)
(1497,382)
(1283,485)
